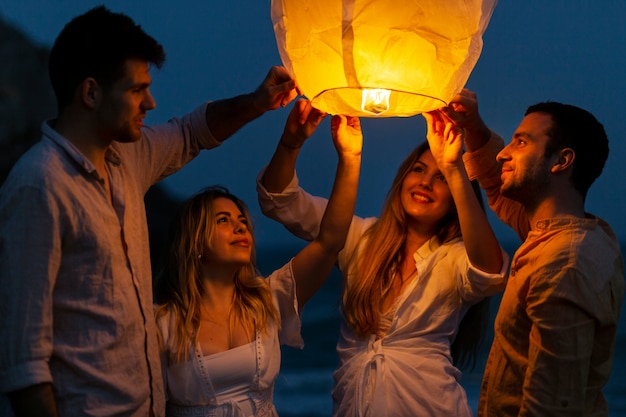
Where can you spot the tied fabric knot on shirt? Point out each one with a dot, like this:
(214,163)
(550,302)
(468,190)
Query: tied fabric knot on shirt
(370,394)
(232,409)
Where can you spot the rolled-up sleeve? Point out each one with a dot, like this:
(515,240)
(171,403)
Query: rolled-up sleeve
(478,284)
(30,252)
(166,148)
(473,283)
(300,212)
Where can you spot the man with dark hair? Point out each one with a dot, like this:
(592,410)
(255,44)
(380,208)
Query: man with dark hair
(556,326)
(76,314)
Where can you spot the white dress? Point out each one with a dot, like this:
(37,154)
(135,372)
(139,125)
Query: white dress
(408,371)
(238,382)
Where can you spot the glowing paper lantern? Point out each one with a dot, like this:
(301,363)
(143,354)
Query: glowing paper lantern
(380,57)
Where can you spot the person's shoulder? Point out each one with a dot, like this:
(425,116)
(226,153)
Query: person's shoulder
(598,248)
(585,253)
(591,239)
(46,179)
(35,166)
(602,228)
(360,225)
(280,278)
(280,272)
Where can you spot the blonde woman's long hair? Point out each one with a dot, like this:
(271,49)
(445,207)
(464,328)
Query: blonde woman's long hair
(179,288)
(382,253)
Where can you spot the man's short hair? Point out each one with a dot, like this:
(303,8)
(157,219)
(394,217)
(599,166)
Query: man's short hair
(97,44)
(576,128)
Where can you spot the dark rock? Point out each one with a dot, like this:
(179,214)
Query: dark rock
(26,96)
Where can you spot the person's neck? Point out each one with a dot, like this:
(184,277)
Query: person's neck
(78,131)
(220,277)
(414,241)
(568,204)
(218,293)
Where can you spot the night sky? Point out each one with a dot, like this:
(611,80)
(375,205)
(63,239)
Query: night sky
(572,51)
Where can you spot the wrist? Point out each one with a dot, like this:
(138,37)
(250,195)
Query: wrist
(451,168)
(256,103)
(287,145)
(349,155)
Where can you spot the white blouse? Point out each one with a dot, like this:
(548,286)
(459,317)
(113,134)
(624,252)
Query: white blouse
(409,370)
(197,387)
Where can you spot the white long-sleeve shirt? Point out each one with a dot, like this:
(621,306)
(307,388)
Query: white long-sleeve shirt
(76,291)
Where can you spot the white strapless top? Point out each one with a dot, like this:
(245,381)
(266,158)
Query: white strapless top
(232,371)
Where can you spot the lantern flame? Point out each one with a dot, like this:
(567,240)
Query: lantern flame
(375,100)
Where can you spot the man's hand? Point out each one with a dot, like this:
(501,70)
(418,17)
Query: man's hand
(463,112)
(277,90)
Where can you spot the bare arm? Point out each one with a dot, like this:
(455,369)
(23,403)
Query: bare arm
(446,144)
(300,125)
(314,263)
(225,117)
(34,401)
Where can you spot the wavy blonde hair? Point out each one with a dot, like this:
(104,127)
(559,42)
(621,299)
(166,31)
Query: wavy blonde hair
(179,288)
(382,252)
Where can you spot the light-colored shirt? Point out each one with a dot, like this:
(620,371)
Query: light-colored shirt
(192,387)
(76,284)
(556,327)
(409,371)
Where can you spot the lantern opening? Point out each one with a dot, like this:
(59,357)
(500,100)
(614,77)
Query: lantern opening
(367,58)
(387,102)
(375,100)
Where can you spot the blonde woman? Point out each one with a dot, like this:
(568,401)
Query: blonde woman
(221,324)
(415,280)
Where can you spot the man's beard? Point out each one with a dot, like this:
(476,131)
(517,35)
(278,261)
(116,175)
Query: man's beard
(526,190)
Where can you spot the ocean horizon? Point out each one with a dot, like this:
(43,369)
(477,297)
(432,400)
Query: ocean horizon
(303,387)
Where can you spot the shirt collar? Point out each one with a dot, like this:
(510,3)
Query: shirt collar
(73,152)
(564,222)
(428,248)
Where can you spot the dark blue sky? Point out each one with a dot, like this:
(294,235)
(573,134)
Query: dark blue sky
(572,51)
